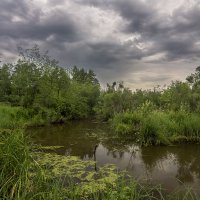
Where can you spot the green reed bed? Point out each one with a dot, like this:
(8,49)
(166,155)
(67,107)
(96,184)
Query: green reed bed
(28,173)
(11,117)
(15,163)
(158,127)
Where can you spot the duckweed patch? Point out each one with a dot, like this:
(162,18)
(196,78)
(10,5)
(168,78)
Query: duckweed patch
(50,147)
(71,169)
(78,179)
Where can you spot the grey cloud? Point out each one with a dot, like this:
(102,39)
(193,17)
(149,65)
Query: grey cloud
(107,52)
(187,21)
(142,77)
(167,33)
(103,55)
(16,8)
(156,78)
(176,36)
(59,26)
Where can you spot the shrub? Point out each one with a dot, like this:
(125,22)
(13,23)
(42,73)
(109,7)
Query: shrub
(126,123)
(158,127)
(154,129)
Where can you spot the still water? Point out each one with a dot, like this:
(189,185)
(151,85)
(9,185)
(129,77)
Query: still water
(174,167)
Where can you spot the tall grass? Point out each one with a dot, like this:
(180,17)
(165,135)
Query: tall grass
(19,117)
(127,123)
(158,127)
(22,176)
(11,117)
(15,162)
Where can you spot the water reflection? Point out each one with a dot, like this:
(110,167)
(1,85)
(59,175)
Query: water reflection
(175,167)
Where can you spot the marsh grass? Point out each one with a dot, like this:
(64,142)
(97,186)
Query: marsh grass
(158,127)
(127,123)
(15,162)
(11,117)
(26,172)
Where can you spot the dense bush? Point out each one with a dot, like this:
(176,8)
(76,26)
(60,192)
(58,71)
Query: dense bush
(40,91)
(28,173)
(127,123)
(53,93)
(158,127)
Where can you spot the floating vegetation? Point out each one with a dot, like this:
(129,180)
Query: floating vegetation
(71,169)
(51,147)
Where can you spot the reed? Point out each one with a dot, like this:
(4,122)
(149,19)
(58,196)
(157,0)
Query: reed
(25,175)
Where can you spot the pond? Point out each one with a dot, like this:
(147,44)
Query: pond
(174,167)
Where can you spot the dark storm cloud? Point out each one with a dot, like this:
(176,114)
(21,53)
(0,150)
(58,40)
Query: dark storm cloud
(57,26)
(18,20)
(73,33)
(9,8)
(177,35)
(101,54)
(107,52)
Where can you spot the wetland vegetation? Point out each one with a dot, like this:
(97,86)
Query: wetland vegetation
(35,91)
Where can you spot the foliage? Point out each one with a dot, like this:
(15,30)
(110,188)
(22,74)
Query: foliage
(28,173)
(15,163)
(11,117)
(40,91)
(158,127)
(36,90)
(177,95)
(36,82)
(115,99)
(126,123)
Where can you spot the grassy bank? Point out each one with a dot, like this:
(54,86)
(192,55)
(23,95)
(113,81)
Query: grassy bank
(13,117)
(28,173)
(158,127)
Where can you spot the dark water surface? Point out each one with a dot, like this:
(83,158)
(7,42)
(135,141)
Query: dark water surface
(174,167)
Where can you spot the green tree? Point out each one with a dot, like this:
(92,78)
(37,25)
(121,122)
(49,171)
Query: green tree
(5,82)
(25,83)
(177,95)
(82,76)
(194,81)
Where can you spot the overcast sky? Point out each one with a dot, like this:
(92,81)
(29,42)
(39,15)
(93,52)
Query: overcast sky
(141,42)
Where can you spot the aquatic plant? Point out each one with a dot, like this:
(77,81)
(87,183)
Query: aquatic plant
(15,160)
(28,173)
(158,127)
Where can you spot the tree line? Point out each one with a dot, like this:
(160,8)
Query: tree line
(37,82)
